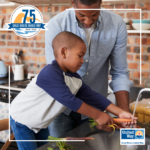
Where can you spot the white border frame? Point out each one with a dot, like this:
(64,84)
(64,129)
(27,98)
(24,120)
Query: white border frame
(72,140)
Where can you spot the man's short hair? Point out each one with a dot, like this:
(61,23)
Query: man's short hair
(87,2)
(65,39)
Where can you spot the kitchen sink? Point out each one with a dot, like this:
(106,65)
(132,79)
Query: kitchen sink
(134,93)
(103,141)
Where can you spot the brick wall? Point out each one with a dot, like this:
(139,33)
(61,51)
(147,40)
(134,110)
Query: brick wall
(34,48)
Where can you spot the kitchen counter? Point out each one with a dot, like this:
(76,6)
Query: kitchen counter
(84,130)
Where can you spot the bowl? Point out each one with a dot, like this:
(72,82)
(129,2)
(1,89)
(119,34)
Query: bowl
(144,26)
(142,21)
(126,20)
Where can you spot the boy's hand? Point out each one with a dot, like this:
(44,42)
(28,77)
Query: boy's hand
(127,115)
(105,128)
(103,121)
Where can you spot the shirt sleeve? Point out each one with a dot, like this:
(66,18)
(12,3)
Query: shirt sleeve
(92,98)
(52,30)
(52,82)
(118,61)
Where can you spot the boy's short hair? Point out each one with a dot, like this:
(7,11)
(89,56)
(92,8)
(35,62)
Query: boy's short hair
(65,39)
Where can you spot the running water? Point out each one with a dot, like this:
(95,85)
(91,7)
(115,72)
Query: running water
(139,96)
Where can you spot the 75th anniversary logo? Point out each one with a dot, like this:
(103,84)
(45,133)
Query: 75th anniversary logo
(26,21)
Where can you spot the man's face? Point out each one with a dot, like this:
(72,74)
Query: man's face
(87,17)
(74,57)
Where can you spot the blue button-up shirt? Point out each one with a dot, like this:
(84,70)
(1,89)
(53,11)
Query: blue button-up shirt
(108,44)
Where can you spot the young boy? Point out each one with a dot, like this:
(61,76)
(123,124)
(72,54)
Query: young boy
(56,87)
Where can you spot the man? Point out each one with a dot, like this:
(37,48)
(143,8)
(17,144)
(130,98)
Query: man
(105,36)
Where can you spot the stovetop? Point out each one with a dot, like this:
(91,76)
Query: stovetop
(14,85)
(5,80)
(15,88)
(18,84)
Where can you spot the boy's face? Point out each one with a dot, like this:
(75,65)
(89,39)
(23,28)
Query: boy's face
(74,57)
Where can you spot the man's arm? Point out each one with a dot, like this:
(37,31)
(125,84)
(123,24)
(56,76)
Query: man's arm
(122,98)
(53,30)
(118,60)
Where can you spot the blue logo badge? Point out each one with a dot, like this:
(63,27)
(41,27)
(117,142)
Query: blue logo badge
(26,21)
(132,136)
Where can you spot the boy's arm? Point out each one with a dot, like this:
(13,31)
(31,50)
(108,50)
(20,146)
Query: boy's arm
(103,119)
(92,98)
(114,109)
(97,100)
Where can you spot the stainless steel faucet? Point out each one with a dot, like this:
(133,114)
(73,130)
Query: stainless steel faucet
(139,96)
(145,89)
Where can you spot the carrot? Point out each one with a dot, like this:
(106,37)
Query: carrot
(113,126)
(120,120)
